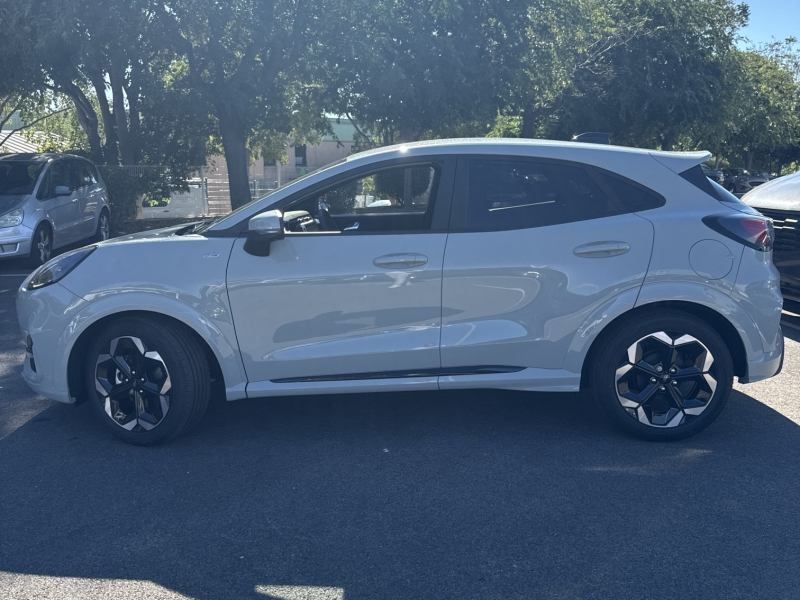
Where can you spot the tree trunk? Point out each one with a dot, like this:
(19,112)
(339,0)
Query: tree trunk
(234,143)
(117,76)
(749,160)
(109,127)
(87,118)
(667,141)
(529,118)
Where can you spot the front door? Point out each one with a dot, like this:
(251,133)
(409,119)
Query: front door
(63,211)
(353,292)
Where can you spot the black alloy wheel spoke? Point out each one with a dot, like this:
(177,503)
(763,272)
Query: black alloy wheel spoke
(665,379)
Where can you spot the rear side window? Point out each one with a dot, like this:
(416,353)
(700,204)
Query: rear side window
(635,197)
(697,178)
(520,194)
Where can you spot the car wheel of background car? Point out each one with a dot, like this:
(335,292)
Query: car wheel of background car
(41,245)
(665,376)
(103,231)
(147,380)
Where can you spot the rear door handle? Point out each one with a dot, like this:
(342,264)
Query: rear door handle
(601,249)
(400,261)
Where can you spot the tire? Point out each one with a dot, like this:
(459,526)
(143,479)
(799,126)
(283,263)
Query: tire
(41,245)
(103,230)
(176,390)
(655,406)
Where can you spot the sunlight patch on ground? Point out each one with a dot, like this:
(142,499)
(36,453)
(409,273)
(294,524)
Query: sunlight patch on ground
(22,586)
(300,592)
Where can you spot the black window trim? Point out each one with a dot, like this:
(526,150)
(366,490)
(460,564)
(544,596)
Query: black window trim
(458,217)
(441,206)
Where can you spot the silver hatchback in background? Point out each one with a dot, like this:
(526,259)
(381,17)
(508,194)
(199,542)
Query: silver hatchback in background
(48,201)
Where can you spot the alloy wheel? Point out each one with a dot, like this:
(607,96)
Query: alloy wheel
(105,229)
(133,384)
(666,379)
(44,244)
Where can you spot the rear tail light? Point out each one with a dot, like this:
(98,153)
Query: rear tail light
(753,232)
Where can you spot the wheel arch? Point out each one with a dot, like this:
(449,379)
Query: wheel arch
(81,346)
(718,321)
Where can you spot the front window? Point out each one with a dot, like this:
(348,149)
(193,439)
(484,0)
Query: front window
(390,199)
(19,177)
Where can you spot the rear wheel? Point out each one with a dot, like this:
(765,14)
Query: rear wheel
(147,379)
(666,376)
(103,231)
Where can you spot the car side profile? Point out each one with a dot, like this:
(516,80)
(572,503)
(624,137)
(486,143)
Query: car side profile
(48,201)
(503,264)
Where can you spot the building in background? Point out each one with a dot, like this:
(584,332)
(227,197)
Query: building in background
(266,177)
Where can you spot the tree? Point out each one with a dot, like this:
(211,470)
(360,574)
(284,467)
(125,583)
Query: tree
(764,116)
(242,60)
(667,82)
(408,68)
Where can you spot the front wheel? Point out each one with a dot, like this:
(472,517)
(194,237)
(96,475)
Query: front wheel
(41,245)
(666,376)
(147,380)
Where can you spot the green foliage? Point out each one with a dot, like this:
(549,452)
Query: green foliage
(126,190)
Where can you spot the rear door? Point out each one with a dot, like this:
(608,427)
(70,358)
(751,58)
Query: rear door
(535,247)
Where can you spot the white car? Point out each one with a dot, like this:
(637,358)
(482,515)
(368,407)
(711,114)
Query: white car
(510,264)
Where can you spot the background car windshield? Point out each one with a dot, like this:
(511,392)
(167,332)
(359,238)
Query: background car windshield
(18,177)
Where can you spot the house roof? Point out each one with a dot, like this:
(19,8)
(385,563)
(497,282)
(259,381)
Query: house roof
(17,144)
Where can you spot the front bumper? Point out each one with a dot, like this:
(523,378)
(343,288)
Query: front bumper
(15,242)
(46,317)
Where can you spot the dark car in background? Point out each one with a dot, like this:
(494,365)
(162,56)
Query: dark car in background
(741,181)
(713,174)
(780,201)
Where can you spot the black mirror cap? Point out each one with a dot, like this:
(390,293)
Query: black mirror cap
(258,244)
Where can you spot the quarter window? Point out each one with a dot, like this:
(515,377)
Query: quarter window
(519,194)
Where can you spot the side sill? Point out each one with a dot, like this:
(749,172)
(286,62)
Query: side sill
(453,371)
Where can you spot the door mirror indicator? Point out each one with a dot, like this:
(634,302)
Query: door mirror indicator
(63,190)
(263,229)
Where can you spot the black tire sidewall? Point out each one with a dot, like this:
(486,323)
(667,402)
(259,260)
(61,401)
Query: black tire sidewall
(615,346)
(162,339)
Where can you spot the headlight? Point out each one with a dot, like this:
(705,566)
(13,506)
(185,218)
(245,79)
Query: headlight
(59,267)
(12,219)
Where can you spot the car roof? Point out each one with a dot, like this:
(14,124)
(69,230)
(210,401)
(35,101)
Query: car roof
(621,159)
(782,193)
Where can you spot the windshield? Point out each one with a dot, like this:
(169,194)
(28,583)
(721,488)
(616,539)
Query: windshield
(19,177)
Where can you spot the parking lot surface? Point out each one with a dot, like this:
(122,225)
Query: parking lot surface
(477,494)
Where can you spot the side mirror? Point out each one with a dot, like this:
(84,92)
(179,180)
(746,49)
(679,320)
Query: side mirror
(63,190)
(263,229)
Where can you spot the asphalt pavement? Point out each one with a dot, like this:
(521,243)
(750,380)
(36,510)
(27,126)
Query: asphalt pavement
(462,495)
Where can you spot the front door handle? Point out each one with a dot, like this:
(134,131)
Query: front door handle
(601,249)
(400,261)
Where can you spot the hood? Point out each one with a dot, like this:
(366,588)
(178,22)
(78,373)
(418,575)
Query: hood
(9,203)
(779,194)
(151,234)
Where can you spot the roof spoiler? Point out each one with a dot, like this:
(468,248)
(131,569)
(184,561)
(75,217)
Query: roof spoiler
(679,162)
(592,137)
